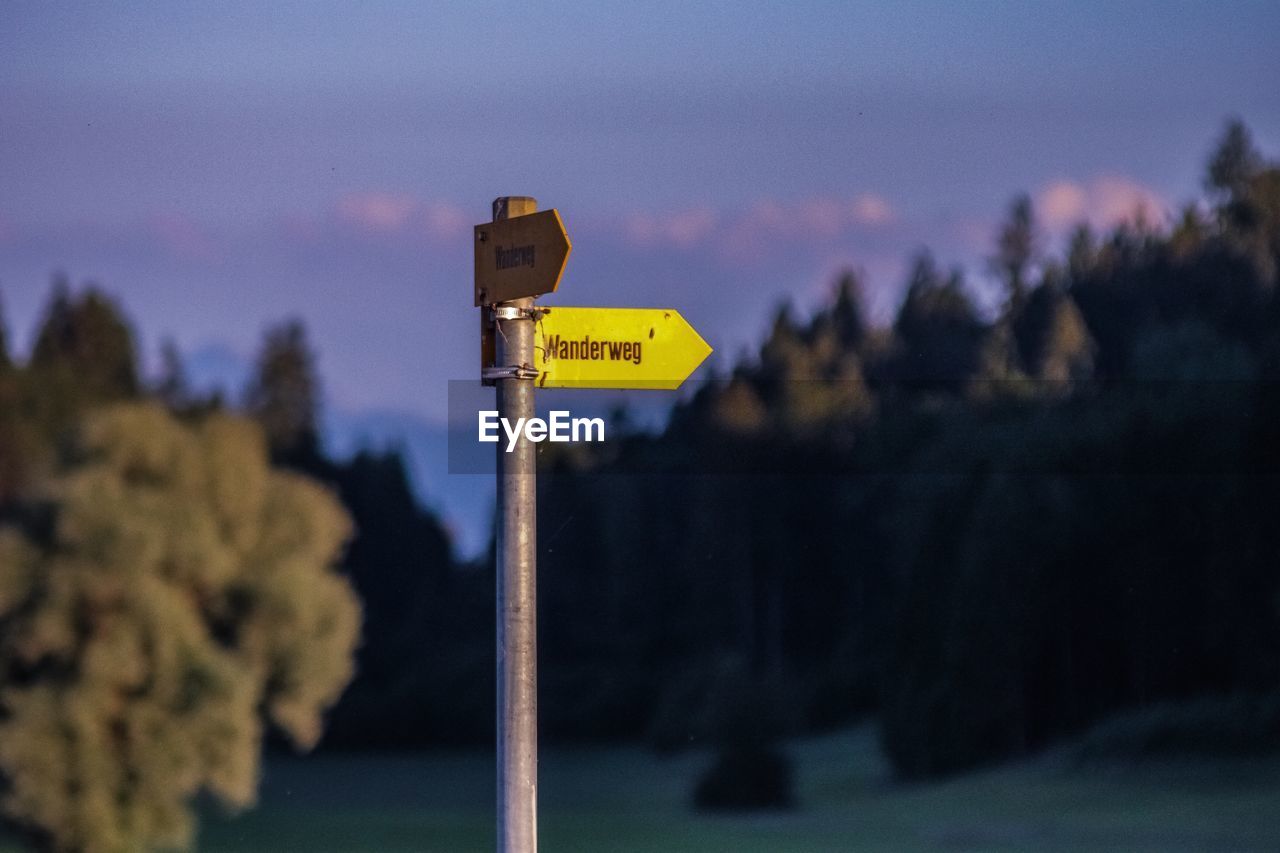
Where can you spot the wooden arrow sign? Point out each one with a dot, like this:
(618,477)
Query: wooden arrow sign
(519,257)
(650,348)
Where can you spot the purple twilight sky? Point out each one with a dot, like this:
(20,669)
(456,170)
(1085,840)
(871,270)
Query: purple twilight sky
(221,166)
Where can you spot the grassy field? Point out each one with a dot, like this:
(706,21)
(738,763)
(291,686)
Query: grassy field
(627,799)
(621,799)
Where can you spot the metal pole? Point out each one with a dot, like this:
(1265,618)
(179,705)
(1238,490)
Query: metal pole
(517,581)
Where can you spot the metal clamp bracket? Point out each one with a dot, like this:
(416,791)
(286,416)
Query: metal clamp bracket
(514,371)
(511,312)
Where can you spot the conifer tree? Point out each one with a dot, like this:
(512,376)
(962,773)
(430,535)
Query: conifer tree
(938,330)
(6,360)
(1017,249)
(284,394)
(85,344)
(172,388)
(846,314)
(1234,162)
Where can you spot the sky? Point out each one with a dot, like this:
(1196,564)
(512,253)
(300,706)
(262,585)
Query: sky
(220,167)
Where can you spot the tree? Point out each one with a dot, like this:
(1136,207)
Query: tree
(159,598)
(172,388)
(17,451)
(1065,353)
(284,395)
(400,563)
(6,361)
(1017,248)
(998,372)
(1248,194)
(1052,337)
(85,346)
(1234,162)
(938,329)
(845,317)
(1082,253)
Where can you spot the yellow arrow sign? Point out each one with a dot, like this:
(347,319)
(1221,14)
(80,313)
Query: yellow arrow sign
(519,257)
(616,348)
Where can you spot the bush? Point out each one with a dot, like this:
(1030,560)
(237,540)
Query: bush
(751,777)
(746,715)
(173,597)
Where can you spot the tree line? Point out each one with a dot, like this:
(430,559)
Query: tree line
(991,533)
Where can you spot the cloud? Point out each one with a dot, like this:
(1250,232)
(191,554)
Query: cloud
(871,209)
(815,218)
(682,229)
(399,214)
(1062,204)
(766,225)
(375,212)
(1103,202)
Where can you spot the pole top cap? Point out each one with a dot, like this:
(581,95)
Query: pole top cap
(511,206)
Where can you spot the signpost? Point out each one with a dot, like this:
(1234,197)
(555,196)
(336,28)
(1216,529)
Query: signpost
(520,255)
